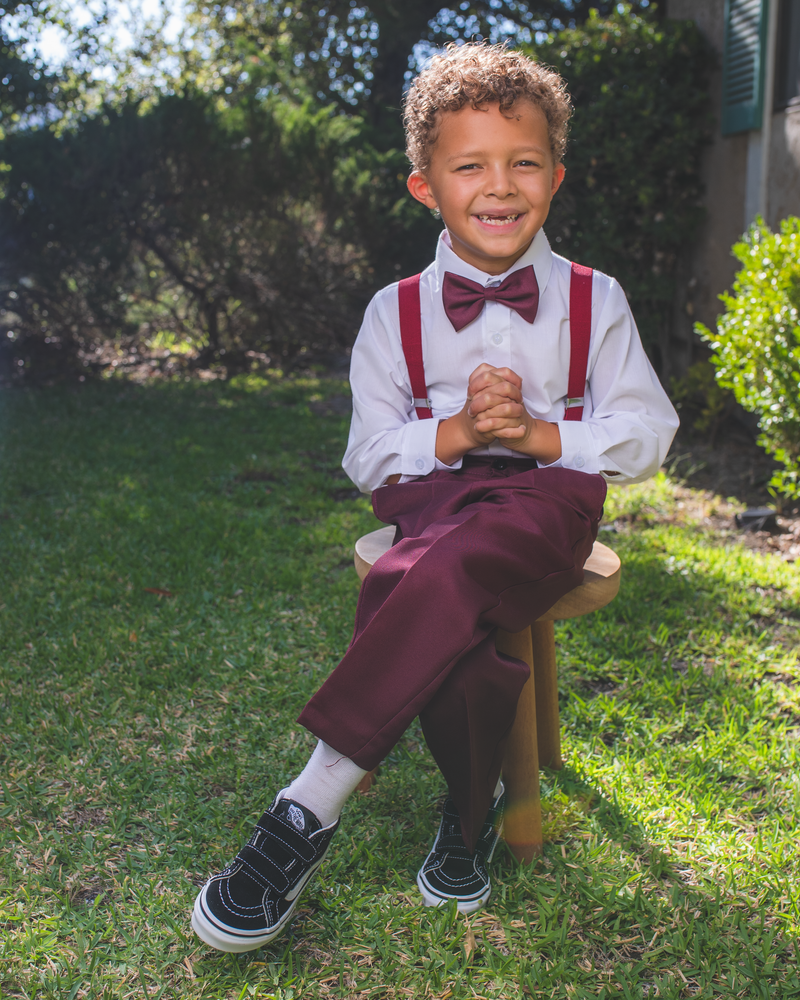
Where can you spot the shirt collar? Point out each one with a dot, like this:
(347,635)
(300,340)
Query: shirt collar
(538,254)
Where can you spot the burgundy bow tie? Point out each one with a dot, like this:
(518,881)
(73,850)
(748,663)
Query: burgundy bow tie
(464,299)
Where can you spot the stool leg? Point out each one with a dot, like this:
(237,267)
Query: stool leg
(522,825)
(367,781)
(548,723)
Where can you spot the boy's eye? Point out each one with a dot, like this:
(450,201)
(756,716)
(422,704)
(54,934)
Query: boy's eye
(527,163)
(467,166)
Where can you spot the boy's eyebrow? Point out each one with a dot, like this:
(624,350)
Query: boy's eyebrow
(474,154)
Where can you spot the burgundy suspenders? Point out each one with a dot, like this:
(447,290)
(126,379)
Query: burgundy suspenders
(580,329)
(411,337)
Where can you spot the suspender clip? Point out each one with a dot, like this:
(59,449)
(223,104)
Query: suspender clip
(573,401)
(422,404)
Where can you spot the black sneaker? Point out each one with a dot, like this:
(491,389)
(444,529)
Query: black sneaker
(450,871)
(249,903)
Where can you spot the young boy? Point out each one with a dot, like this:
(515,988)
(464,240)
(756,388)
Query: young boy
(496,499)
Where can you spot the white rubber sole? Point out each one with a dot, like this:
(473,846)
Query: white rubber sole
(431,898)
(216,934)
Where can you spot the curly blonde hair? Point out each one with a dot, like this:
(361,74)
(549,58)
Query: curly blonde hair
(477,74)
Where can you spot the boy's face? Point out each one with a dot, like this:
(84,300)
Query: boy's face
(492,179)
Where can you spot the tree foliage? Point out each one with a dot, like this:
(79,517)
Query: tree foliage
(24,86)
(757,342)
(631,200)
(232,231)
(358,56)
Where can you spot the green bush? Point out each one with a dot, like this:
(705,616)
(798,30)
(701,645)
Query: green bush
(757,342)
(631,199)
(242,219)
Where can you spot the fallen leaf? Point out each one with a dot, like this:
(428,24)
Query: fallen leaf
(469,941)
(133,637)
(159,591)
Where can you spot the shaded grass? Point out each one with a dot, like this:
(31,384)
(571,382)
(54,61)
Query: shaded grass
(142,733)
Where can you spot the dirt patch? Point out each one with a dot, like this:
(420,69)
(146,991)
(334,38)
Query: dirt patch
(785,542)
(729,465)
(732,466)
(82,819)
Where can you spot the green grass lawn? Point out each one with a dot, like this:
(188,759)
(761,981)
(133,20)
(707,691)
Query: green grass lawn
(177,580)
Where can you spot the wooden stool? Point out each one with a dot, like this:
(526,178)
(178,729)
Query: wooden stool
(536,734)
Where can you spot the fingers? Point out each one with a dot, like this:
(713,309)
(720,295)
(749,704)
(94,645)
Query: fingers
(501,429)
(508,434)
(509,375)
(480,370)
(505,416)
(501,394)
(485,376)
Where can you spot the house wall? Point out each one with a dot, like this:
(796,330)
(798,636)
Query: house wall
(731,171)
(784,187)
(709,268)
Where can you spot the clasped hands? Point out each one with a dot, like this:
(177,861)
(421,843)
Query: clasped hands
(494,410)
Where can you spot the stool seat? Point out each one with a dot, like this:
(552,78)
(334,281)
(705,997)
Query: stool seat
(536,734)
(601,575)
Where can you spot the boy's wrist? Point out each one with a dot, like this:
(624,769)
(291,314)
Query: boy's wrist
(543,442)
(452,440)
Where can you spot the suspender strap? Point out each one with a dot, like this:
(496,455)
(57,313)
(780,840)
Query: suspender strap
(580,331)
(411,337)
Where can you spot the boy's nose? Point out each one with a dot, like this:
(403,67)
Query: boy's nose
(500,183)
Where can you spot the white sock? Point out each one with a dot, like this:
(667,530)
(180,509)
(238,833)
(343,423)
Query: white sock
(325,783)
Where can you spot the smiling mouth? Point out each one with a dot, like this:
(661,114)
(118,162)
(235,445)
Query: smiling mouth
(499,220)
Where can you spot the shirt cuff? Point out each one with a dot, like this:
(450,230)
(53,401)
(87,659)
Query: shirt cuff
(419,449)
(577,447)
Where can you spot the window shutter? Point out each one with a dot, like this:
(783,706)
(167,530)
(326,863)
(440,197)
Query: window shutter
(743,65)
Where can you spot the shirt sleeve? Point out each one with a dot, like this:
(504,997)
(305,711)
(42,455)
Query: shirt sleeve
(632,422)
(386,437)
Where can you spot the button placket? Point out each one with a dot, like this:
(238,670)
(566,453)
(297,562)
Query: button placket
(498,328)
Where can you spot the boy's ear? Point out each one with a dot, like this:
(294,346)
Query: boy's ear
(558,177)
(420,189)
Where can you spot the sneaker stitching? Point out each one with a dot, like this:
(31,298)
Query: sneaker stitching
(274,909)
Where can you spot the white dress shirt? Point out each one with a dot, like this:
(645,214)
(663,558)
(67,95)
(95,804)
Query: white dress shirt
(628,421)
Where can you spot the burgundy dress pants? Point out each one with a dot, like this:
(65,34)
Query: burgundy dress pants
(493,545)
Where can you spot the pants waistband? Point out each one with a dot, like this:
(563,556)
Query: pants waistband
(498,462)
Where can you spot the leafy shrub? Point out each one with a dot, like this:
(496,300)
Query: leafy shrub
(757,342)
(226,230)
(631,199)
(248,220)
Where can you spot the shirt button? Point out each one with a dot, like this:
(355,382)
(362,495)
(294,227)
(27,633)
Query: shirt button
(579,462)
(421,465)
(497,339)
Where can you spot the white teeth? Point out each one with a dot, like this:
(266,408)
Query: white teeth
(499,220)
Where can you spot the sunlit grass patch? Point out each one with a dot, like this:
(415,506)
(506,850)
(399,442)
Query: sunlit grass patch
(177,580)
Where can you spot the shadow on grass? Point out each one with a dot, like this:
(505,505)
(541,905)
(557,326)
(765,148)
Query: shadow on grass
(142,732)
